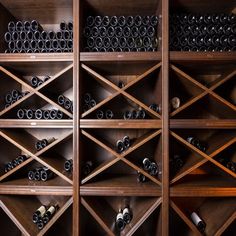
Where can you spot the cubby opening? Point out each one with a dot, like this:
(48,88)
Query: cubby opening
(207,209)
(49,19)
(15,205)
(141,209)
(121,8)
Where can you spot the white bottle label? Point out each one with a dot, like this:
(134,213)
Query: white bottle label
(126,211)
(51,209)
(119,216)
(42,210)
(195,218)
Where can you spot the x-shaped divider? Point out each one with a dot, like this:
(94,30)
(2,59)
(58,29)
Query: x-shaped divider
(207,157)
(23,226)
(137,221)
(205,92)
(120,91)
(36,91)
(35,156)
(121,156)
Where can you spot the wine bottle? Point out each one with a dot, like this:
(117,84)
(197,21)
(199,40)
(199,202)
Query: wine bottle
(175,103)
(141,114)
(46,174)
(29,114)
(231,166)
(146,164)
(155,107)
(127,115)
(120,223)
(196,142)
(99,114)
(22,158)
(49,214)
(40,224)
(141,178)
(178,162)
(109,114)
(68,165)
(46,142)
(120,146)
(154,169)
(39,213)
(87,168)
(126,142)
(46,114)
(35,81)
(8,97)
(127,215)
(37,173)
(38,114)
(31,175)
(201,225)
(21,114)
(59,115)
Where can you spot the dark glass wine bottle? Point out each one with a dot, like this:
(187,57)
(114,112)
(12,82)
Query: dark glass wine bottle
(68,165)
(120,223)
(38,214)
(201,225)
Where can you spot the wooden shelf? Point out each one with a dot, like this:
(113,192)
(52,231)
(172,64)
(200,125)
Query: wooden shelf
(6,58)
(201,57)
(12,123)
(55,186)
(128,124)
(202,124)
(120,186)
(118,56)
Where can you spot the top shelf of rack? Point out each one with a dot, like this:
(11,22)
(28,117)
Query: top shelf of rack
(45,11)
(202,6)
(120,56)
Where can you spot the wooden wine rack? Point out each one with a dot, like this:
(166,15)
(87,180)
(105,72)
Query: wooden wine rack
(206,85)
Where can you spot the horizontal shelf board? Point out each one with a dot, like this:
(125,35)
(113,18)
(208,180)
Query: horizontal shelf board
(26,187)
(120,56)
(120,186)
(202,123)
(15,123)
(129,124)
(202,56)
(204,186)
(35,57)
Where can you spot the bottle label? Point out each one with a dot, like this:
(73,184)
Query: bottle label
(126,211)
(119,216)
(51,209)
(195,218)
(42,210)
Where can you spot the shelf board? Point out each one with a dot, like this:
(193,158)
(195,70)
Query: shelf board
(35,57)
(56,186)
(208,186)
(120,186)
(129,124)
(120,56)
(202,123)
(203,56)
(16,123)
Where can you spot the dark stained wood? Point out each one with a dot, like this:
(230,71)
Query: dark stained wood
(165,118)
(28,10)
(117,56)
(196,6)
(126,185)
